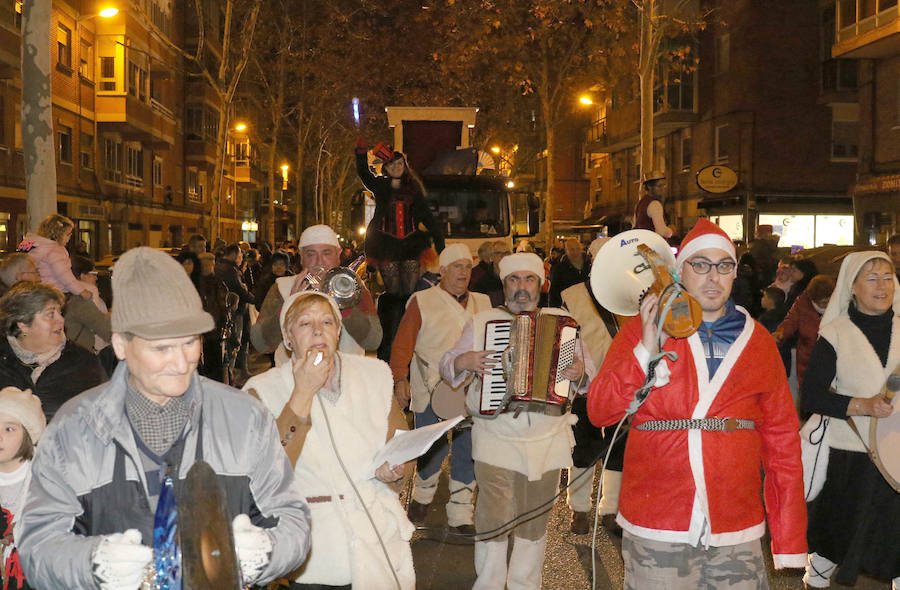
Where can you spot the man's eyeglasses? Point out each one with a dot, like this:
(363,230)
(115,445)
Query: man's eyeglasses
(702,267)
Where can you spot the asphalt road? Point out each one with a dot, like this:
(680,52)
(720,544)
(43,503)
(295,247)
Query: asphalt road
(443,564)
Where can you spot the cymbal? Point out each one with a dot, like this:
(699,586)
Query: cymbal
(209,561)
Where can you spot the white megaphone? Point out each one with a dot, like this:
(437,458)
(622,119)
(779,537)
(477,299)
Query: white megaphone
(620,275)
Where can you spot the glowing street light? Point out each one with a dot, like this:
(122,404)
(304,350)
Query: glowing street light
(240,127)
(495,149)
(362,230)
(510,184)
(586,100)
(109,12)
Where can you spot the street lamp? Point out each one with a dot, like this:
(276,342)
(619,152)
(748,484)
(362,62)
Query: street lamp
(284,177)
(495,149)
(108,12)
(240,127)
(586,100)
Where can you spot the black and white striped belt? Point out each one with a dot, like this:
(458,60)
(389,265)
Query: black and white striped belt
(708,424)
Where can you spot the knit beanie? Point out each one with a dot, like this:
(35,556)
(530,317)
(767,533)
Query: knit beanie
(705,234)
(522,261)
(317,235)
(26,408)
(454,252)
(154,298)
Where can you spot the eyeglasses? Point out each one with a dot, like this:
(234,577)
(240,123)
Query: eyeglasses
(702,267)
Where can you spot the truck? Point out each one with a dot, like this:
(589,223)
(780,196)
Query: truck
(472,208)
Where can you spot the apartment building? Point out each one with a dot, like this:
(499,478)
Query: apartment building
(135,128)
(869,31)
(758,94)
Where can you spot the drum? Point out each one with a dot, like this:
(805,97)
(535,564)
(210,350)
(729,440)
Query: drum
(884,436)
(447,402)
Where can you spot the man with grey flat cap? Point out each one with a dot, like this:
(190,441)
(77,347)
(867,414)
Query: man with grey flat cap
(109,452)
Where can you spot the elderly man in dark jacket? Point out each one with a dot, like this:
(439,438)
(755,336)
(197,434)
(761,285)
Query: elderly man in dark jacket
(112,453)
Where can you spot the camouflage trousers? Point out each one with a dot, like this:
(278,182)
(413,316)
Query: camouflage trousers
(657,565)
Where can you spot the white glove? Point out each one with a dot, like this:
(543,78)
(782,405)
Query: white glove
(253,546)
(120,561)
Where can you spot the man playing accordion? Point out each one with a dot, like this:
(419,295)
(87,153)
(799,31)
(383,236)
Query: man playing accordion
(519,443)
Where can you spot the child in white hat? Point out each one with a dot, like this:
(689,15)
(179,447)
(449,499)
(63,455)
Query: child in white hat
(21,424)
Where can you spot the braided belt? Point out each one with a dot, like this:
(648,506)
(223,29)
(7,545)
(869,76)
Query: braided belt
(708,424)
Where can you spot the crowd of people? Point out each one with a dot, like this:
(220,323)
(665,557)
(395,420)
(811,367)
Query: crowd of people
(109,405)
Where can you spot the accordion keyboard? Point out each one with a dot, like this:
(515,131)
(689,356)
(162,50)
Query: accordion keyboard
(493,384)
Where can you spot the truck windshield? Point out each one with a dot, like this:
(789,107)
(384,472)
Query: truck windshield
(470,212)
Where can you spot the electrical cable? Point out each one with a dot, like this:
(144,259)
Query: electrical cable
(358,495)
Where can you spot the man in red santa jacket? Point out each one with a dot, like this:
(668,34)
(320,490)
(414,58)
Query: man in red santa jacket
(690,505)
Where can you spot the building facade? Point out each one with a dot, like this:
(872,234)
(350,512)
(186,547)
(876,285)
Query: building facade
(756,92)
(135,128)
(869,31)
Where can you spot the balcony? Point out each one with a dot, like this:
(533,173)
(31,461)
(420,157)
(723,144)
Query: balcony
(147,122)
(867,29)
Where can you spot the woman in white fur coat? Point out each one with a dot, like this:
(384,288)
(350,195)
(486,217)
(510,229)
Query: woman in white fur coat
(334,412)
(854,514)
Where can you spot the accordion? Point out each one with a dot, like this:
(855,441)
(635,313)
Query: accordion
(534,348)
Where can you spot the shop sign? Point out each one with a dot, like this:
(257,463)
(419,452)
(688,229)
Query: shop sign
(878,184)
(717,179)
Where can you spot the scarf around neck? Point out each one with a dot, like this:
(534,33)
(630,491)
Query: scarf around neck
(37,361)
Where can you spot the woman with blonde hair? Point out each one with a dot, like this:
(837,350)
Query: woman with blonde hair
(334,412)
(854,513)
(47,248)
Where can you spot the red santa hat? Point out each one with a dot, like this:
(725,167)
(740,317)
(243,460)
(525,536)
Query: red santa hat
(705,234)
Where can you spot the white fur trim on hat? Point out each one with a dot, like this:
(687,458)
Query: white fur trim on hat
(705,234)
(454,252)
(316,235)
(26,408)
(290,303)
(522,261)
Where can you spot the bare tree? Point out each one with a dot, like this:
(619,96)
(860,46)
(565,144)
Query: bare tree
(37,112)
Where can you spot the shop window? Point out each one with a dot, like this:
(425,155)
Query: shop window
(63,46)
(86,150)
(64,138)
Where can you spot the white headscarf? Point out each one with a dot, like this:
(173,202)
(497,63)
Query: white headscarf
(843,290)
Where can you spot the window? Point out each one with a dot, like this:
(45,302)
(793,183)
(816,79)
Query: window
(64,138)
(157,171)
(156,90)
(134,165)
(64,46)
(193,184)
(112,160)
(19,6)
(86,150)
(108,73)
(142,85)
(686,150)
(133,79)
(723,143)
(845,132)
(723,53)
(86,69)
(837,74)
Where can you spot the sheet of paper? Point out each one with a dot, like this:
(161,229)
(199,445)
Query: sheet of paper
(407,445)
